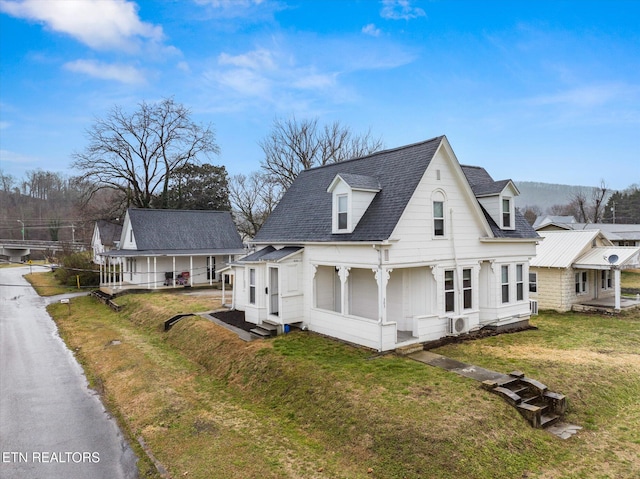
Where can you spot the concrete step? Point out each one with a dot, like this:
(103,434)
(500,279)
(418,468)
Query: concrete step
(260,332)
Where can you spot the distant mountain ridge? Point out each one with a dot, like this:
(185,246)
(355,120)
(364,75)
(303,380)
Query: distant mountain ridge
(546,195)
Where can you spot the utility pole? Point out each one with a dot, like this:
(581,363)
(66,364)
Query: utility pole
(22,223)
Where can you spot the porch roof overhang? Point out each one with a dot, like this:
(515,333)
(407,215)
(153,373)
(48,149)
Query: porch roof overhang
(603,258)
(270,254)
(124,253)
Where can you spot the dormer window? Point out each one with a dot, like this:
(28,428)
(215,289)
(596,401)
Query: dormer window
(343,215)
(506,213)
(351,196)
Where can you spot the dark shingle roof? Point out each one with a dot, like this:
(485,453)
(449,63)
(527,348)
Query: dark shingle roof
(184,230)
(271,254)
(109,232)
(483,185)
(304,213)
(361,182)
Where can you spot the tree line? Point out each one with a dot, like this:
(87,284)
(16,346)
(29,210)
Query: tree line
(156,157)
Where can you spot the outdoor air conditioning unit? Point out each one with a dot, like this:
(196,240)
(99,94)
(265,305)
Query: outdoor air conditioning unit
(458,325)
(534,306)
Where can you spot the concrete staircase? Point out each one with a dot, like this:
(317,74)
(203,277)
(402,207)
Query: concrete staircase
(541,407)
(264,330)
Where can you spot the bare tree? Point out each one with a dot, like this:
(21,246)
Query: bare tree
(294,146)
(252,197)
(590,209)
(136,153)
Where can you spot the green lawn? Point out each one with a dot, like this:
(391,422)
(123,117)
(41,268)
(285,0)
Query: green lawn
(304,406)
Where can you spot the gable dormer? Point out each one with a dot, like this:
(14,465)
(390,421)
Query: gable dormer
(351,196)
(498,199)
(127,238)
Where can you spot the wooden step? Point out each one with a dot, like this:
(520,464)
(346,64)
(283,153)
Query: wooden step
(260,332)
(548,420)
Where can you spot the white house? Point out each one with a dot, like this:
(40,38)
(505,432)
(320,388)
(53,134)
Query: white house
(106,236)
(573,268)
(399,247)
(169,248)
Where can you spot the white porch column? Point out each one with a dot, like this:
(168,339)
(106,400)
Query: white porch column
(616,280)
(222,288)
(343,274)
(100,266)
(155,272)
(148,272)
(121,277)
(190,270)
(382,278)
(173,279)
(210,274)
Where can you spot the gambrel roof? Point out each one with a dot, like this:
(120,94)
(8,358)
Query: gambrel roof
(184,230)
(304,214)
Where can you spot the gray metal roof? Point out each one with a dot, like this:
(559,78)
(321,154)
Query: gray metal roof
(304,212)
(184,230)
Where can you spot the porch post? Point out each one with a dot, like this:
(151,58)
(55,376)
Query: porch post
(190,270)
(121,271)
(100,264)
(173,280)
(155,272)
(382,276)
(616,280)
(210,274)
(148,272)
(222,288)
(343,274)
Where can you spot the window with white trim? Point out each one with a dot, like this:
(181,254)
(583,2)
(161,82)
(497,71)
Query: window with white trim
(504,272)
(449,291)
(605,278)
(467,291)
(519,282)
(343,215)
(533,282)
(581,282)
(438,218)
(506,213)
(252,286)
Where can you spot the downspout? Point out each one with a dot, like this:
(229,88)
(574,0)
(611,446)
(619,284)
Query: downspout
(458,276)
(380,304)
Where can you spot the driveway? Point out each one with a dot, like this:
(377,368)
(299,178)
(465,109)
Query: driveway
(51,424)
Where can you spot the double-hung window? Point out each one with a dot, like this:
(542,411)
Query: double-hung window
(581,282)
(438,218)
(449,291)
(467,290)
(533,282)
(252,286)
(519,282)
(506,213)
(343,203)
(505,283)
(605,275)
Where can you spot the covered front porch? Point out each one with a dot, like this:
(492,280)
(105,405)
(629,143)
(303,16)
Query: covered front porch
(122,270)
(608,305)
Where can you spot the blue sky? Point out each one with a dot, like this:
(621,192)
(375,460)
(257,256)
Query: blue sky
(531,90)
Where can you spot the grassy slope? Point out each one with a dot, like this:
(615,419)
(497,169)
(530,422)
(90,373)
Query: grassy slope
(305,406)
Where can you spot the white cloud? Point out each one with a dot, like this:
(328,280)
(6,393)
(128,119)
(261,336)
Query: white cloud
(122,73)
(400,10)
(371,29)
(588,96)
(102,25)
(259,59)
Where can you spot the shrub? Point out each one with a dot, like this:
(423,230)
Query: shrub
(77,264)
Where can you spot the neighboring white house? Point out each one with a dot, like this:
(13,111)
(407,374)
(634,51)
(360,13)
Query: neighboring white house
(577,267)
(106,236)
(170,248)
(399,247)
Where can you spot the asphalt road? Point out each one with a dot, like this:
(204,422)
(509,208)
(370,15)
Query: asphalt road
(51,424)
